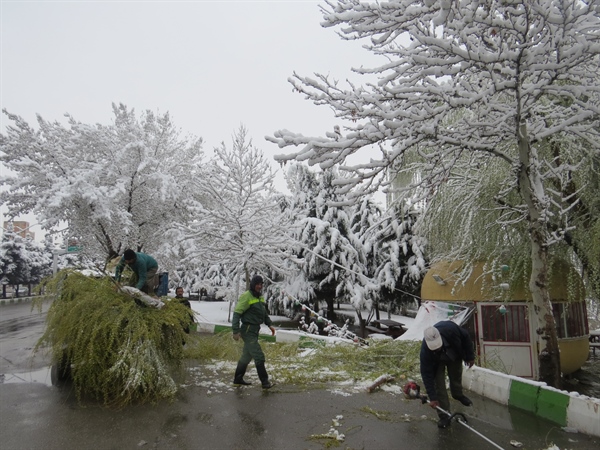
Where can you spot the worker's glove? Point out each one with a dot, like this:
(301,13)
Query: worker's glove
(434,404)
(272,331)
(469,364)
(236,336)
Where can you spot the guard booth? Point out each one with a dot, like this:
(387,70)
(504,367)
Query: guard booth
(503,324)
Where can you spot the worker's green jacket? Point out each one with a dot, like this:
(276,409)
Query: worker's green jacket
(143,263)
(250,310)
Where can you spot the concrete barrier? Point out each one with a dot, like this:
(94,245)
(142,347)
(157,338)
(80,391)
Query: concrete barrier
(583,414)
(280,336)
(566,409)
(488,383)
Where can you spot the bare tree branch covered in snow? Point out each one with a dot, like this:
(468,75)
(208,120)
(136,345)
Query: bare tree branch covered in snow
(465,83)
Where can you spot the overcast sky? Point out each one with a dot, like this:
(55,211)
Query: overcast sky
(212,64)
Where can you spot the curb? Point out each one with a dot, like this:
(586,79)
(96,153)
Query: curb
(11,301)
(280,336)
(567,409)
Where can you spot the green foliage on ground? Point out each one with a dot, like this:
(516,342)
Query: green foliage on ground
(291,364)
(345,362)
(120,352)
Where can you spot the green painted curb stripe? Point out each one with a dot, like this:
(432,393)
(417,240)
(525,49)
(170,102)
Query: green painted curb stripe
(545,403)
(228,329)
(523,396)
(222,328)
(10,301)
(553,405)
(304,341)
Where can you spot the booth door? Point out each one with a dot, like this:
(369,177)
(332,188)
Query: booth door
(504,336)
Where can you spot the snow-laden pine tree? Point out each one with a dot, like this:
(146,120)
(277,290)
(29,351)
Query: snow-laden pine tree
(236,223)
(303,185)
(400,263)
(115,186)
(365,218)
(470,81)
(331,253)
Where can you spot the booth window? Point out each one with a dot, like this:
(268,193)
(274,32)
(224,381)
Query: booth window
(571,319)
(510,325)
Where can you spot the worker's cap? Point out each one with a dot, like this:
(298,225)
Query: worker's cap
(256,279)
(432,338)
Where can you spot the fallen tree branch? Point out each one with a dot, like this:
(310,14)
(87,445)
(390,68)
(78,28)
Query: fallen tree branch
(148,300)
(379,381)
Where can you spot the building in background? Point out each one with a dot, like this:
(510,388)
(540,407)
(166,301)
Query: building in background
(19,227)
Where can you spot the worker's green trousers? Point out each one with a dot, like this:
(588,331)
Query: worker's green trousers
(252,349)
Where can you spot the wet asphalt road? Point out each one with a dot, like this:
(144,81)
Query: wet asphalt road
(36,415)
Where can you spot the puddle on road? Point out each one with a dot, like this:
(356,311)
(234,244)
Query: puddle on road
(36,376)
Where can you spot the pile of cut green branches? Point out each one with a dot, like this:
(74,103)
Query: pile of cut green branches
(117,351)
(324,364)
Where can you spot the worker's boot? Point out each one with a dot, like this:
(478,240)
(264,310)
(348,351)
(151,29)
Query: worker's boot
(240,371)
(464,400)
(263,375)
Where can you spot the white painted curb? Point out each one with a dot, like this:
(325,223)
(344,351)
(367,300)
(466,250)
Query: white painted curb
(489,384)
(583,414)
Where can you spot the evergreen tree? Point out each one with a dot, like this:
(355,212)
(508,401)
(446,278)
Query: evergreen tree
(401,263)
(331,253)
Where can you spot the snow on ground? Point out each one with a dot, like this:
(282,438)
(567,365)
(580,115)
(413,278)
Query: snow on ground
(212,312)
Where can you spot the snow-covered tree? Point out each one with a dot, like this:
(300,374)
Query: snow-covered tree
(237,223)
(584,238)
(337,257)
(400,256)
(114,186)
(470,81)
(331,253)
(22,260)
(303,185)
(365,218)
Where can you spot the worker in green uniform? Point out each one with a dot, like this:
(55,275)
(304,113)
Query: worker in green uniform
(144,266)
(249,313)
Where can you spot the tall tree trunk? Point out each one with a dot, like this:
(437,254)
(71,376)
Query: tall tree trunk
(330,308)
(532,191)
(361,323)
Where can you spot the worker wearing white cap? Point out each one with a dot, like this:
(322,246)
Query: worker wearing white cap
(445,346)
